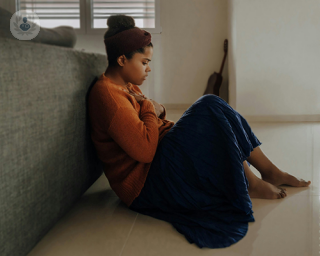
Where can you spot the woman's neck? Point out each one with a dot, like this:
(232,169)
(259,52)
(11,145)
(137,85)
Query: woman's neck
(115,77)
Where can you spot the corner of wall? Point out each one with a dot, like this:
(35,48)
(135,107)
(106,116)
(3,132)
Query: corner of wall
(231,54)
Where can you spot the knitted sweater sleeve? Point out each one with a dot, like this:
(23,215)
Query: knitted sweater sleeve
(137,134)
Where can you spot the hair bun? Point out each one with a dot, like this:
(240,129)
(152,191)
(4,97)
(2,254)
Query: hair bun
(120,21)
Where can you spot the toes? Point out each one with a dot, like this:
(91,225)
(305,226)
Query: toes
(283,193)
(295,182)
(304,183)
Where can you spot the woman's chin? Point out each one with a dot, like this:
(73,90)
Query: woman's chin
(139,82)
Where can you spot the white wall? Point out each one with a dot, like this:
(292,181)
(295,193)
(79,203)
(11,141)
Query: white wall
(186,53)
(274,67)
(193,33)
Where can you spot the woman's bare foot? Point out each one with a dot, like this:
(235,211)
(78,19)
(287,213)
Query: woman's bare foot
(270,173)
(264,190)
(278,177)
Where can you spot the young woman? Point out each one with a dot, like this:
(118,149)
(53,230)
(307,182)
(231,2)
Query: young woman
(193,173)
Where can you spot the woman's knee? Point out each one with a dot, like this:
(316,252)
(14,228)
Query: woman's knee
(204,103)
(210,98)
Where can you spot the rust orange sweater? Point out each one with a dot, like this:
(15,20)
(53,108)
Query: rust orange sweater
(125,134)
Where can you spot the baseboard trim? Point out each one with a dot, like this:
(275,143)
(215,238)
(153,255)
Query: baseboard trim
(177,106)
(251,118)
(283,118)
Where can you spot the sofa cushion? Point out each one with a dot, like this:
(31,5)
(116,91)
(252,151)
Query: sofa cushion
(61,35)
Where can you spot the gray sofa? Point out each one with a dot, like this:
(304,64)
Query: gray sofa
(47,157)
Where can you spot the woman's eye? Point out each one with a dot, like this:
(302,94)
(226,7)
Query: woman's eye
(145,63)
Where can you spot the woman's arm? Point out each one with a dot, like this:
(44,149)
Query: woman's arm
(158,107)
(135,133)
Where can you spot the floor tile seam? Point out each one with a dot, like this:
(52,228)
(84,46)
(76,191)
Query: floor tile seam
(124,245)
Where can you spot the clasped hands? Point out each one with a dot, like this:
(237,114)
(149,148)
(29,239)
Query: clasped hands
(157,107)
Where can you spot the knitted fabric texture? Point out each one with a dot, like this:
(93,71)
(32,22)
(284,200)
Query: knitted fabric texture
(125,134)
(126,41)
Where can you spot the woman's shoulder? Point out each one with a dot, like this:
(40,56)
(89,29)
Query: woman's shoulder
(111,95)
(106,86)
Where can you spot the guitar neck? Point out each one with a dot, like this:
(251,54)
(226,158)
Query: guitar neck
(224,58)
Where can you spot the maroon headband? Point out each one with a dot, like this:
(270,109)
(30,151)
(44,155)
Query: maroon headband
(126,41)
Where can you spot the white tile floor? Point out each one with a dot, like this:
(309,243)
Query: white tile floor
(100,224)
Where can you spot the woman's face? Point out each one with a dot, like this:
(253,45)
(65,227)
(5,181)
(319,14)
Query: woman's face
(136,69)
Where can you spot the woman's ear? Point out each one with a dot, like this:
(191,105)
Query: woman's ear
(122,60)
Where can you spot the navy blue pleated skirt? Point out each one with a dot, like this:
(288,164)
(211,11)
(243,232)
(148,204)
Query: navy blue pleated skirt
(196,181)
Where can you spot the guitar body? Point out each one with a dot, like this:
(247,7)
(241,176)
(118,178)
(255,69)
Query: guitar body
(214,84)
(215,80)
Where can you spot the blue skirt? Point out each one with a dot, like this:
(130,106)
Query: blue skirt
(196,180)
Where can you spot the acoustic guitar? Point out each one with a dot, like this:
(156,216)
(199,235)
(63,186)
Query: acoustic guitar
(215,80)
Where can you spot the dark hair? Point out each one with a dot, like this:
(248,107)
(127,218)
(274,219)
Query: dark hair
(118,23)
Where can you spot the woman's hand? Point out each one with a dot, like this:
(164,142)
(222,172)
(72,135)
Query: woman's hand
(157,107)
(138,97)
